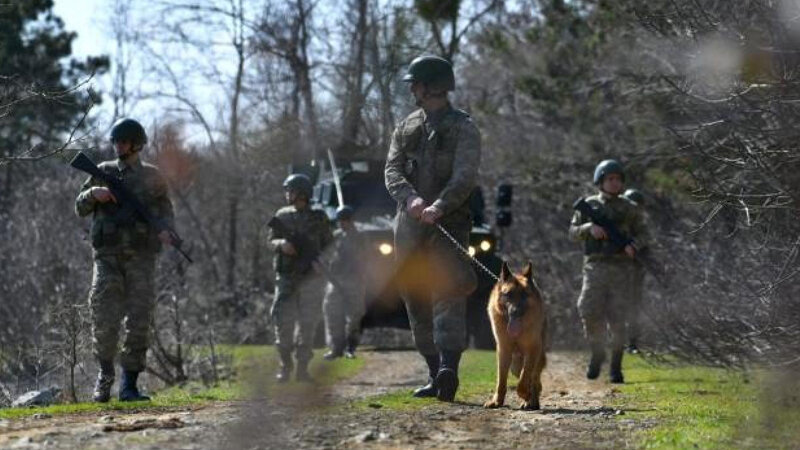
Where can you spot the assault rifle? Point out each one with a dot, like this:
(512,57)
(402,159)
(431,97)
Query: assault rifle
(619,239)
(307,253)
(130,206)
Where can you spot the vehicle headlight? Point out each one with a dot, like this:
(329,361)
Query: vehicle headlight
(486,245)
(385,249)
(471,251)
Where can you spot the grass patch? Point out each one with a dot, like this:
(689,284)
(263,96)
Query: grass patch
(253,368)
(700,407)
(476,381)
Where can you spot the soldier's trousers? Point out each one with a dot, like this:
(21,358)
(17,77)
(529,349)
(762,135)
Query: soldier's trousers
(605,299)
(296,313)
(435,282)
(343,313)
(122,293)
(637,296)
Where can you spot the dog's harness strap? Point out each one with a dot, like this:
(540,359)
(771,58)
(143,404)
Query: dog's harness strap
(465,252)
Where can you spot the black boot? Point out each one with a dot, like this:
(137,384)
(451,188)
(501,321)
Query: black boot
(128,392)
(105,379)
(598,357)
(302,372)
(429,390)
(447,377)
(350,349)
(633,348)
(285,370)
(615,372)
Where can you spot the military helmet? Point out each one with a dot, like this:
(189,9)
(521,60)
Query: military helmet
(606,167)
(433,71)
(129,130)
(299,183)
(344,212)
(634,195)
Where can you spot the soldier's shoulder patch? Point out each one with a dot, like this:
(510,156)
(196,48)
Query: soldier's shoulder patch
(594,199)
(285,211)
(108,165)
(413,121)
(150,167)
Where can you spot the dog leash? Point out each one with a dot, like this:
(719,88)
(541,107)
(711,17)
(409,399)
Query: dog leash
(465,252)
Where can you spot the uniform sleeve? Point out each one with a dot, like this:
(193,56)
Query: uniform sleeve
(396,182)
(466,161)
(579,227)
(640,230)
(163,204)
(85,202)
(327,233)
(274,238)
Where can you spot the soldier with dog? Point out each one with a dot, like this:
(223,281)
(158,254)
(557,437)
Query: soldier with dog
(431,169)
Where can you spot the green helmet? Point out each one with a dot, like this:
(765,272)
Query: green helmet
(129,130)
(635,196)
(433,71)
(299,183)
(607,167)
(344,212)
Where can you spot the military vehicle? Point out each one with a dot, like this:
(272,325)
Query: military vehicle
(362,187)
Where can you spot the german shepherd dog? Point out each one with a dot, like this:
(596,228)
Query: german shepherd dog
(516,310)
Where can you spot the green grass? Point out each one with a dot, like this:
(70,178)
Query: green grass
(700,407)
(253,367)
(476,377)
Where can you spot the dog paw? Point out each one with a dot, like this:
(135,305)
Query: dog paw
(491,404)
(529,406)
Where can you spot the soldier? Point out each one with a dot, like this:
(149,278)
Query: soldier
(298,288)
(344,301)
(125,249)
(637,287)
(431,169)
(608,270)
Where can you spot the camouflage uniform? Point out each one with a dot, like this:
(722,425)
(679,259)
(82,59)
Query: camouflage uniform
(608,273)
(298,296)
(436,157)
(125,252)
(344,308)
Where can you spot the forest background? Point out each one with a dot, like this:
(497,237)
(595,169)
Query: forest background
(698,98)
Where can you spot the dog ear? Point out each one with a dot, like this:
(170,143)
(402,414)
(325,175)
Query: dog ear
(528,272)
(505,272)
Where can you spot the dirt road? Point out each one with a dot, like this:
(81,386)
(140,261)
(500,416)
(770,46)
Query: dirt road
(573,416)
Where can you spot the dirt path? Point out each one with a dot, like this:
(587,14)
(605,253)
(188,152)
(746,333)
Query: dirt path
(573,416)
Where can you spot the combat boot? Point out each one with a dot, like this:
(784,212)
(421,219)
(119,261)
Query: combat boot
(302,372)
(105,379)
(632,348)
(429,390)
(615,372)
(128,392)
(447,377)
(596,362)
(350,349)
(285,371)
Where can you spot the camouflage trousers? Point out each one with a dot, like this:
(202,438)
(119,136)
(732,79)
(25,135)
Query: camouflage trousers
(295,314)
(635,308)
(435,281)
(605,300)
(343,313)
(122,294)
